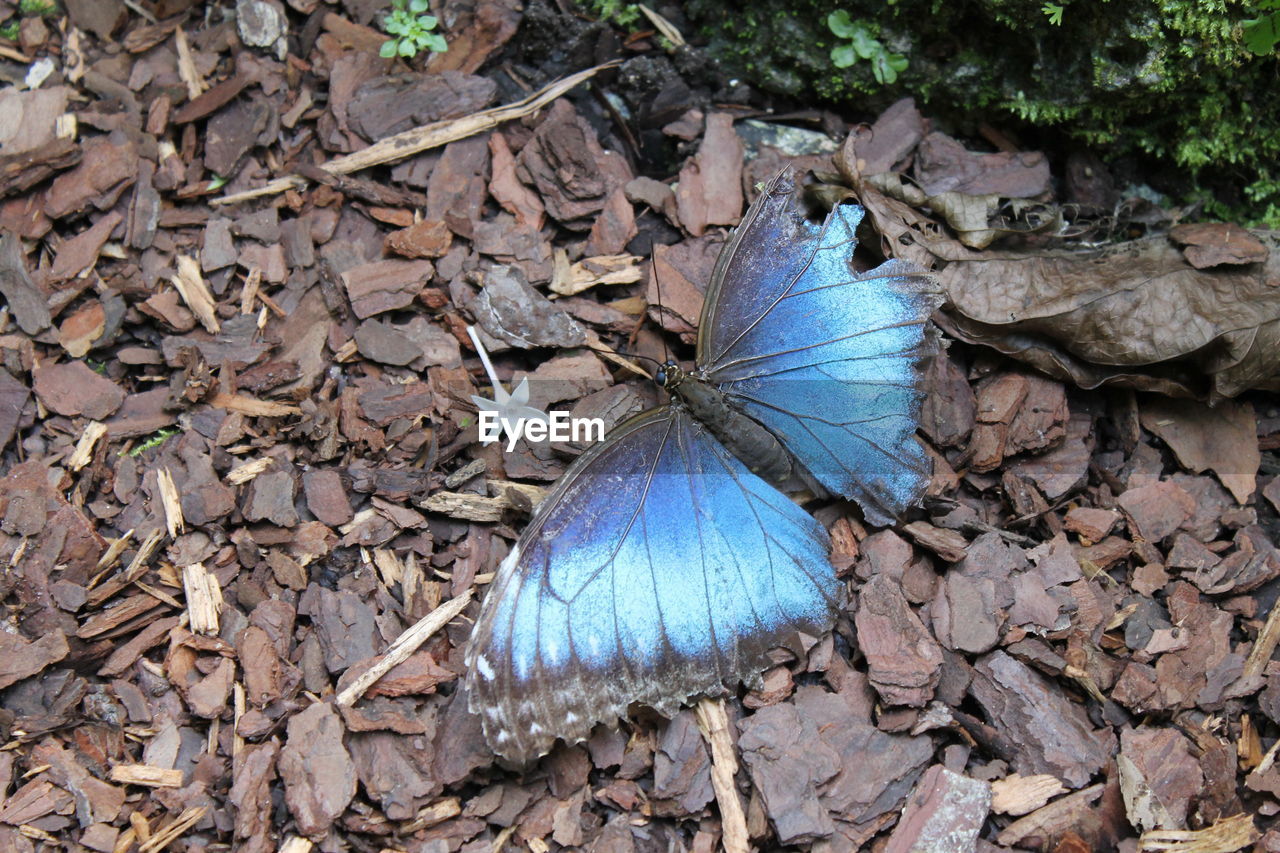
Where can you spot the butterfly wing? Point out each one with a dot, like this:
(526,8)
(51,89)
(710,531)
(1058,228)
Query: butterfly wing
(659,568)
(825,357)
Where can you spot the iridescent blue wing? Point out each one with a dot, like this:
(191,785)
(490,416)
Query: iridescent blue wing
(659,568)
(825,357)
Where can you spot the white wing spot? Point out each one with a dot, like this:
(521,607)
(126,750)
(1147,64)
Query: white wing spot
(484,667)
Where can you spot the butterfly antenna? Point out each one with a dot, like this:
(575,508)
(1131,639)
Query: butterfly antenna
(603,350)
(657,291)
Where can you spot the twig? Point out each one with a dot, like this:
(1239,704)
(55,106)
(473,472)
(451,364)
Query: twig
(171,503)
(1230,833)
(714,724)
(162,838)
(427,136)
(404,646)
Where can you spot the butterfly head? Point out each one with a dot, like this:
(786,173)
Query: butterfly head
(669,375)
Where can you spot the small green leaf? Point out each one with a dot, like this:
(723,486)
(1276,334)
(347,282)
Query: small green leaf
(388,49)
(1262,34)
(427,22)
(419,6)
(864,44)
(839,24)
(436,43)
(842,56)
(882,66)
(1054,13)
(407,48)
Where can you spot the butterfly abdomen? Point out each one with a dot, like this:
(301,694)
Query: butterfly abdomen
(754,445)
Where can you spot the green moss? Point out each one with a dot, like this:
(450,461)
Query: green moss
(1173,79)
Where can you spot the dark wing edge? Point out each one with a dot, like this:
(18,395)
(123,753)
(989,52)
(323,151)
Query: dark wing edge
(776,193)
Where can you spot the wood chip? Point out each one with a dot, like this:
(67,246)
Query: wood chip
(165,836)
(195,293)
(171,502)
(145,774)
(204,598)
(1225,836)
(84,446)
(252,407)
(1019,795)
(714,724)
(245,472)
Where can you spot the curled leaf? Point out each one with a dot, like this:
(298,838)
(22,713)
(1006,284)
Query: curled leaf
(1135,315)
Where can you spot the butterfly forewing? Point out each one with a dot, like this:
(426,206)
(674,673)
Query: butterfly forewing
(825,357)
(659,568)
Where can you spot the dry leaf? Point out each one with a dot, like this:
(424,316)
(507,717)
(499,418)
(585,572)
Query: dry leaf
(1103,317)
(1222,439)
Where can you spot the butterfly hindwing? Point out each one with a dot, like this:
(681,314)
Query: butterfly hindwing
(825,357)
(658,568)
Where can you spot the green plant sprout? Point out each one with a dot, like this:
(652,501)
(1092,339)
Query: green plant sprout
(27,9)
(622,15)
(863,45)
(412,30)
(1262,34)
(43,8)
(1054,13)
(155,440)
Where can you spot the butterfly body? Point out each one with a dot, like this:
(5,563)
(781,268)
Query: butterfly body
(666,563)
(754,445)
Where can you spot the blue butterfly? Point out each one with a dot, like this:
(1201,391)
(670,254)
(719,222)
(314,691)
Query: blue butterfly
(666,564)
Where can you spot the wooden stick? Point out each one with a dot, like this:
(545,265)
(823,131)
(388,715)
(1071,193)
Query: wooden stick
(204,598)
(83,454)
(714,723)
(164,837)
(171,503)
(194,291)
(404,646)
(1229,833)
(146,774)
(423,138)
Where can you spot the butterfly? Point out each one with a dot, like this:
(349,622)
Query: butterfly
(666,563)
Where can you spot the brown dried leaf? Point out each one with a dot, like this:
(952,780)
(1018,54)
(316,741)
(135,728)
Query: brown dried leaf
(1209,244)
(1100,318)
(1222,439)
